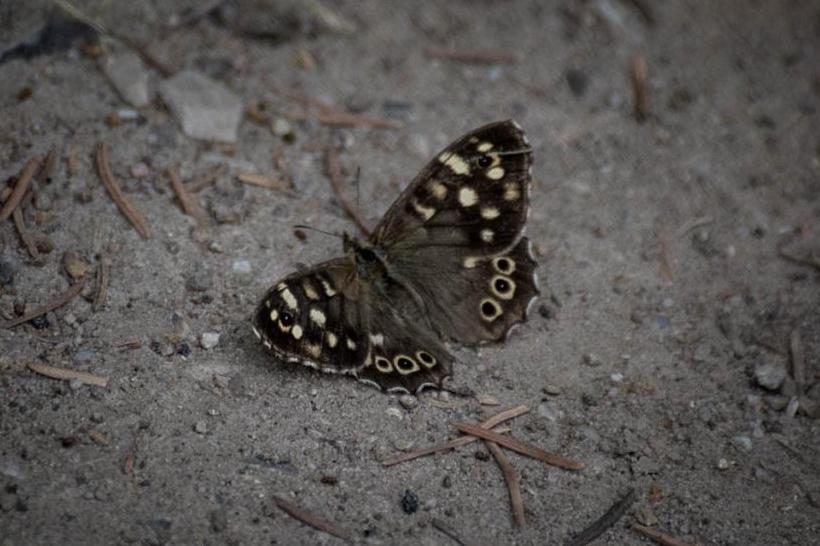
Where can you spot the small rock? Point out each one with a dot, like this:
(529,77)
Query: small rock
(140,170)
(591,360)
(281,127)
(129,77)
(447,482)
(408,401)
(547,412)
(180,325)
(75,384)
(75,265)
(42,201)
(199,281)
(409,502)
(201,427)
(219,521)
(552,390)
(487,400)
(241,266)
(8,269)
(617,377)
(394,412)
(722,464)
(744,443)
(770,375)
(205,108)
(209,340)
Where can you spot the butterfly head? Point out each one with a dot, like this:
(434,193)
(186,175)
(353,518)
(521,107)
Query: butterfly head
(369,259)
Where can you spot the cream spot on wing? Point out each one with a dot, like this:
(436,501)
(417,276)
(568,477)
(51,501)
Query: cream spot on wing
(487,235)
(426,358)
(283,327)
(455,162)
(405,365)
(281,286)
(377,339)
(313,350)
(274,315)
(267,344)
(297,332)
(496,173)
(290,299)
(383,365)
(424,212)
(503,287)
(332,340)
(467,197)
(256,332)
(512,191)
(438,189)
(267,303)
(503,264)
(489,213)
(351,344)
(470,262)
(318,317)
(485,147)
(310,290)
(329,292)
(490,309)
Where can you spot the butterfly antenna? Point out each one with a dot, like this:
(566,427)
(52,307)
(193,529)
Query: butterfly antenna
(311,228)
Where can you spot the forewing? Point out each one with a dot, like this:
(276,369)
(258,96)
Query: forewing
(315,318)
(474,196)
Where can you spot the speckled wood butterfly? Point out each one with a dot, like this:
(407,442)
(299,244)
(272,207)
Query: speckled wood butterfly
(447,262)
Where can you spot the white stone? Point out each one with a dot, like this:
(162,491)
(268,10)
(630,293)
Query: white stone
(128,75)
(209,340)
(206,109)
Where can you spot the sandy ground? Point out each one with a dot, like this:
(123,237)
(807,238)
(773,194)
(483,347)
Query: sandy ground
(660,246)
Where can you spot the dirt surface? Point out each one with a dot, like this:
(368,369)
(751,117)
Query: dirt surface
(667,298)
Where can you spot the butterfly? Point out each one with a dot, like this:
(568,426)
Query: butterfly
(448,261)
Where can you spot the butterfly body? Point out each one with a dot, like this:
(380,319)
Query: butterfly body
(447,262)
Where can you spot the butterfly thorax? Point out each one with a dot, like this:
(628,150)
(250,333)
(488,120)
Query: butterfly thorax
(369,260)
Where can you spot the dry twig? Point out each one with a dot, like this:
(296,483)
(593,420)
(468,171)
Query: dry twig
(101,290)
(23,183)
(638,74)
(334,174)
(511,478)
(471,57)
(207,178)
(312,519)
(263,181)
(798,360)
(49,164)
(24,234)
(336,118)
(58,301)
(519,446)
(66,374)
(189,204)
(110,183)
(658,536)
(490,423)
(599,527)
(449,531)
(72,161)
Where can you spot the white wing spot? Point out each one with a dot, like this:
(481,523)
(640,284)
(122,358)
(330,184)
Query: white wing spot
(504,264)
(281,286)
(470,262)
(455,162)
(313,350)
(490,310)
(309,290)
(351,344)
(377,339)
(297,332)
(318,317)
(274,314)
(290,299)
(383,365)
(467,197)
(485,147)
(487,235)
(329,292)
(496,173)
(489,213)
(512,191)
(332,340)
(424,212)
(256,332)
(438,189)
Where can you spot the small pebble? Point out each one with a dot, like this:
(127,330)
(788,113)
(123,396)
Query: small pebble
(75,384)
(281,127)
(394,412)
(409,502)
(552,390)
(617,377)
(592,360)
(722,464)
(140,170)
(770,375)
(241,266)
(209,340)
(744,443)
(408,401)
(75,265)
(201,427)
